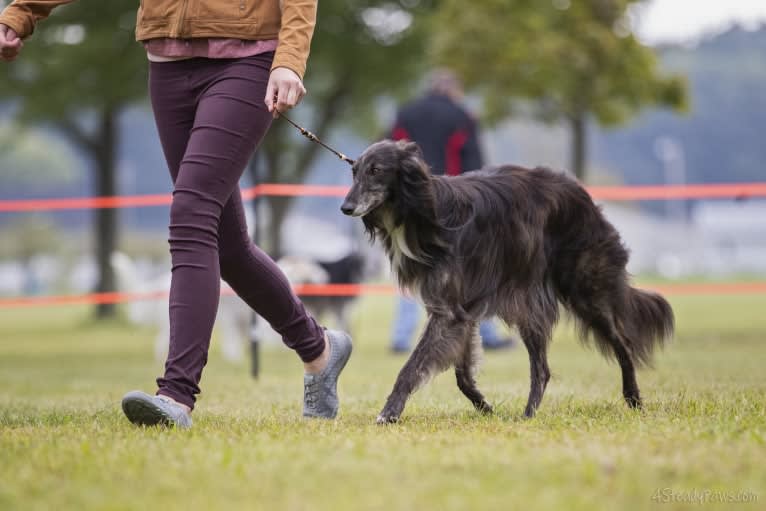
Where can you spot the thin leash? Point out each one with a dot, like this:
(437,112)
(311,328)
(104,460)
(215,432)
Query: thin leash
(309,135)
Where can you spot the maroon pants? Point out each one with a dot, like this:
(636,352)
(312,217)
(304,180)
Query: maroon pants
(210,116)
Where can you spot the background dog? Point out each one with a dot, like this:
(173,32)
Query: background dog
(509,241)
(350,269)
(234,319)
(232,322)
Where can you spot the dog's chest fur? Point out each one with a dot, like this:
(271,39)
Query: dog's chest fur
(396,246)
(412,268)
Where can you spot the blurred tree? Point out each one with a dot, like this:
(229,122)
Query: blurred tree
(722,137)
(79,70)
(576,59)
(31,235)
(362,50)
(82,68)
(22,162)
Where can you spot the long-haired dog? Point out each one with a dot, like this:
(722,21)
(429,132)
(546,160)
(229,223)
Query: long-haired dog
(505,241)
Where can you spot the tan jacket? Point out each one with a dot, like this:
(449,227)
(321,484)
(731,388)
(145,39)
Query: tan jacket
(291,21)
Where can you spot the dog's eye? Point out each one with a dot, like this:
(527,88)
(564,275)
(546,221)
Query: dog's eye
(375,171)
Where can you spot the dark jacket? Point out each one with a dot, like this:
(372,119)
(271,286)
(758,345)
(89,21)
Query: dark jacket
(445,132)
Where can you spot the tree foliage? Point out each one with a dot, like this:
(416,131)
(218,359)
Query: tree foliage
(31,235)
(362,49)
(575,59)
(722,137)
(23,163)
(78,71)
(82,67)
(83,58)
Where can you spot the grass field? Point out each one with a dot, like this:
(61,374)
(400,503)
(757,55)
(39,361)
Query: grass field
(64,443)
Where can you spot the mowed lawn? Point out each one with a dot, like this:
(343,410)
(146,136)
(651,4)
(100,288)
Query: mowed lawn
(64,443)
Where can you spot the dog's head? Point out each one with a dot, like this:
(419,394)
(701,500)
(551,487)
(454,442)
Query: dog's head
(384,174)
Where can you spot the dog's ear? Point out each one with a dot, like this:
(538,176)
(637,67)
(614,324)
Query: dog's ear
(412,191)
(411,148)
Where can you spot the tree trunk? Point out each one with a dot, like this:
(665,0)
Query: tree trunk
(253,168)
(279,207)
(255,344)
(579,148)
(106,224)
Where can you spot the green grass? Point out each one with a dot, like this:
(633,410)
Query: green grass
(65,445)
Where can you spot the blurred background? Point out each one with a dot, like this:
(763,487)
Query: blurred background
(624,94)
(618,92)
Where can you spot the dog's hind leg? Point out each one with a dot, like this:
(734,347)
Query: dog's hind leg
(440,347)
(630,389)
(465,372)
(597,315)
(604,328)
(536,342)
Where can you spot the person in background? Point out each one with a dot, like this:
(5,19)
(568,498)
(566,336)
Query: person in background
(218,75)
(447,134)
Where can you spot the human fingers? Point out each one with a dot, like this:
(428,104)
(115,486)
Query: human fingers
(9,53)
(8,37)
(287,91)
(301,93)
(295,93)
(293,96)
(10,43)
(282,97)
(271,91)
(12,36)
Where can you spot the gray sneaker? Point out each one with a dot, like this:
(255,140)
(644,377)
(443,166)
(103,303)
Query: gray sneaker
(320,391)
(145,410)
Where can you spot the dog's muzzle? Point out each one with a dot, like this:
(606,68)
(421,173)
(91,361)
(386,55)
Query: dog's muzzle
(348,208)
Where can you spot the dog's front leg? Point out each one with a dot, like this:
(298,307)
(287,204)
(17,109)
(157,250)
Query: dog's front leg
(438,349)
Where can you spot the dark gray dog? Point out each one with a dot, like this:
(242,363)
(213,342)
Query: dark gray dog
(505,241)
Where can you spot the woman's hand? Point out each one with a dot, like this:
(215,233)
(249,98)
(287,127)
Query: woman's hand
(10,43)
(284,91)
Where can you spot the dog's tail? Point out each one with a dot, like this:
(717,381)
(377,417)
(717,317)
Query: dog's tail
(634,325)
(624,322)
(647,322)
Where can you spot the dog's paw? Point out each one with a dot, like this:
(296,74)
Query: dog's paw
(634,402)
(386,419)
(485,408)
(529,412)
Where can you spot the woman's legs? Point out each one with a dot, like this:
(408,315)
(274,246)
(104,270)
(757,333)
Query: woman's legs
(254,276)
(210,116)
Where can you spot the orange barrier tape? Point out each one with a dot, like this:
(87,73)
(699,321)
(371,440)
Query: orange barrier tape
(615,193)
(706,191)
(117,297)
(84,203)
(712,288)
(723,288)
(289,190)
(124,201)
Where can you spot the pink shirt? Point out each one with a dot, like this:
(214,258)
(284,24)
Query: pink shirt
(167,49)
